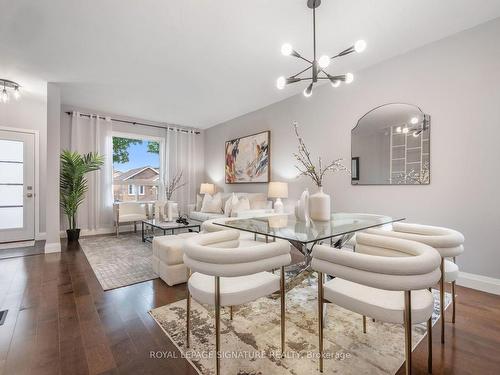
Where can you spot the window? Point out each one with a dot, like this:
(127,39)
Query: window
(136,168)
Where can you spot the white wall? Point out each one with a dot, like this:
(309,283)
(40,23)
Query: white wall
(457,82)
(30,112)
(53,242)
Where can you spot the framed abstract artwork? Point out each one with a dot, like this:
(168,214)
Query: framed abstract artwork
(247,159)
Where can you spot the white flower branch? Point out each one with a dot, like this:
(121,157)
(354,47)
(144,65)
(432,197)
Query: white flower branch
(308,168)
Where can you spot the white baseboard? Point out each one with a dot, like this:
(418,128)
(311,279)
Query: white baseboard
(53,247)
(95,232)
(40,236)
(479,282)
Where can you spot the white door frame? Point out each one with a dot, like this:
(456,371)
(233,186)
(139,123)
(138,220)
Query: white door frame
(36,188)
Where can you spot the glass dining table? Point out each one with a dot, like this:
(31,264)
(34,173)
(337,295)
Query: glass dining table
(305,235)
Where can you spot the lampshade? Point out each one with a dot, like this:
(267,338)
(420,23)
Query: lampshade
(278,190)
(207,189)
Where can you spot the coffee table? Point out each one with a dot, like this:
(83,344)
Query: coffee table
(149,226)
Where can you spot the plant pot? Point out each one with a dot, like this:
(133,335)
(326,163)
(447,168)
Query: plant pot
(319,206)
(72,234)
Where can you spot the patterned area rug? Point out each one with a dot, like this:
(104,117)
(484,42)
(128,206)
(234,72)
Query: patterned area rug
(250,343)
(120,261)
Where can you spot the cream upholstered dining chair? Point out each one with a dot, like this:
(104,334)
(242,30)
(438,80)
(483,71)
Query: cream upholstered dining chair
(449,244)
(386,279)
(129,212)
(228,275)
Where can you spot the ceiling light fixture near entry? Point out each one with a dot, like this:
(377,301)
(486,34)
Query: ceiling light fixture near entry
(9,87)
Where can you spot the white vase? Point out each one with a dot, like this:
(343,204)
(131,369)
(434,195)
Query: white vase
(303,207)
(319,206)
(171,210)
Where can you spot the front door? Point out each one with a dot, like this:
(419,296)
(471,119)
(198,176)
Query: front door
(17,184)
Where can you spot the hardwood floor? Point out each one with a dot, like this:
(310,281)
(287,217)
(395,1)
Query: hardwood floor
(38,248)
(61,322)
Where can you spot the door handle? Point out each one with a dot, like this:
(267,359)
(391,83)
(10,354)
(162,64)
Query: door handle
(29,195)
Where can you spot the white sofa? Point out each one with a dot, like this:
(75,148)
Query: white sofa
(259,205)
(168,251)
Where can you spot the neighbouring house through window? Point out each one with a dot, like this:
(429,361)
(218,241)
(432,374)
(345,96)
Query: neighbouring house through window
(136,168)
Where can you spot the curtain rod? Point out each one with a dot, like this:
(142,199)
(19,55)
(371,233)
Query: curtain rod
(138,123)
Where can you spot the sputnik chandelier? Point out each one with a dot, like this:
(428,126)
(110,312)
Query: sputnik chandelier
(317,66)
(11,86)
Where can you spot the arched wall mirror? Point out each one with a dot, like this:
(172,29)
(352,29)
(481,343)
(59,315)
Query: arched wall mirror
(390,145)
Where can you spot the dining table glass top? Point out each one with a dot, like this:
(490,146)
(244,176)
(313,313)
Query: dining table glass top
(288,227)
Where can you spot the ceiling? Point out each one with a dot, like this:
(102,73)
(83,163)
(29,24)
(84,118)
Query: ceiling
(198,63)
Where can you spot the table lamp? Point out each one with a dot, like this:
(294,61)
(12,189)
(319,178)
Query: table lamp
(207,188)
(278,190)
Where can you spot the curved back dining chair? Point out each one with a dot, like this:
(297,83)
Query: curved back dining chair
(232,275)
(386,279)
(449,244)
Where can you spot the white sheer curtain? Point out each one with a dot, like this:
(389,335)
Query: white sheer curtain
(95,135)
(180,154)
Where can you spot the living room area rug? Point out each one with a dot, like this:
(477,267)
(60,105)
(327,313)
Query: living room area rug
(250,343)
(119,262)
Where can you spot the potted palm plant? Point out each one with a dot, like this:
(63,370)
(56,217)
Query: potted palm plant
(73,184)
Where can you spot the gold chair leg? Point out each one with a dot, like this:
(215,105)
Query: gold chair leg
(320,319)
(429,341)
(364,324)
(117,229)
(135,227)
(188,313)
(217,325)
(230,312)
(429,345)
(441,299)
(453,301)
(282,298)
(407,322)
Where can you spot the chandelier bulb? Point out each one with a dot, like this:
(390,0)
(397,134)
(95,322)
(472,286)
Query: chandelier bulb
(308,90)
(17,93)
(414,120)
(286,49)
(324,61)
(280,83)
(349,77)
(335,83)
(5,96)
(360,46)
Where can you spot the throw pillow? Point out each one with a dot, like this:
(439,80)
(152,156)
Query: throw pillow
(242,205)
(212,205)
(228,207)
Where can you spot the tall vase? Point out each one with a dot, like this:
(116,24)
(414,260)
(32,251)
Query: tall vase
(171,210)
(319,206)
(302,212)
